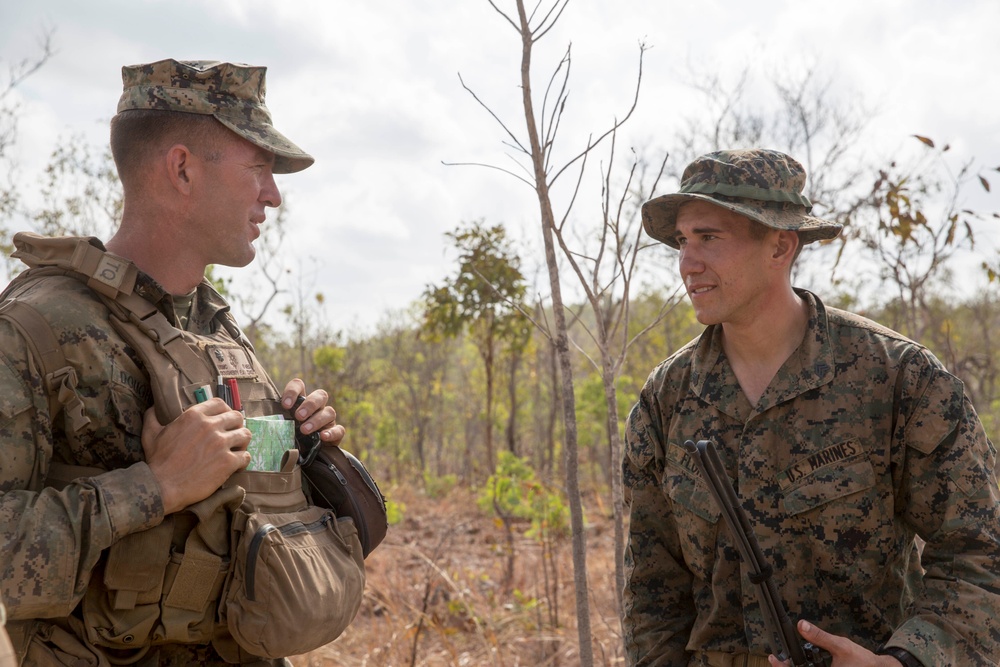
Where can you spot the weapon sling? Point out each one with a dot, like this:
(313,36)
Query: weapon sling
(783,639)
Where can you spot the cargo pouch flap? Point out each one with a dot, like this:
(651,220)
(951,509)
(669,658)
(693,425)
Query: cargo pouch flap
(149,594)
(296,582)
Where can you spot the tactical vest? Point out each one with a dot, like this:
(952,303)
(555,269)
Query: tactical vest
(175,583)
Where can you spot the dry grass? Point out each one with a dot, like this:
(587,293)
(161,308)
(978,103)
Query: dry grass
(434,596)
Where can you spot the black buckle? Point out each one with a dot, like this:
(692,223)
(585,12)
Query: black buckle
(309,444)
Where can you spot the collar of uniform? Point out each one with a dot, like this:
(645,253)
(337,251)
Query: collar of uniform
(208,303)
(812,363)
(810,366)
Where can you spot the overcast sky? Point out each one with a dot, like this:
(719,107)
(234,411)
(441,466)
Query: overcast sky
(371,89)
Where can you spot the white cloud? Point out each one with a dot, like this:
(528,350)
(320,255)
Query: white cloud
(371,89)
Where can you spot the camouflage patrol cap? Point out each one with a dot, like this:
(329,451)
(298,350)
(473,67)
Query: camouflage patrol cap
(761,184)
(233,93)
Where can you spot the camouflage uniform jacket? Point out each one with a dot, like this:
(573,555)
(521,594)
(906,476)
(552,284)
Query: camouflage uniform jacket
(52,540)
(861,442)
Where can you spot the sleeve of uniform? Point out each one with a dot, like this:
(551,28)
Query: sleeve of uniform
(948,492)
(51,539)
(658,606)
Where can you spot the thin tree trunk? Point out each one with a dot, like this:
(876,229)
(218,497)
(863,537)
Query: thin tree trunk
(617,495)
(562,350)
(488,361)
(515,362)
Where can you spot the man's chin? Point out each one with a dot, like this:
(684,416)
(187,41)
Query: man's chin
(706,319)
(238,262)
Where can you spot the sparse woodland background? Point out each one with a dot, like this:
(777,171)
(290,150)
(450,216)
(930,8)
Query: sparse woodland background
(491,410)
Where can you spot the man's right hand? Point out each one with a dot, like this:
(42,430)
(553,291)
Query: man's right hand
(193,455)
(843,651)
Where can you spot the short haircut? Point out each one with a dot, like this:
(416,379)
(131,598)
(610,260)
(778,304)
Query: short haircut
(758,231)
(138,135)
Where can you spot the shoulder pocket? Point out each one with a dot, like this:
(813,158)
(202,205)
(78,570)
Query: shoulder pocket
(936,414)
(14,397)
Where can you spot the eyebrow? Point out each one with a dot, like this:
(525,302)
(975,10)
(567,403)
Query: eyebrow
(701,230)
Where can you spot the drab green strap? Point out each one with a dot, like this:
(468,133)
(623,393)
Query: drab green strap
(60,378)
(747,192)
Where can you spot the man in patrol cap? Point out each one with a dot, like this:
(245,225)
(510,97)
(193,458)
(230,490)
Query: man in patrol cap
(196,153)
(846,442)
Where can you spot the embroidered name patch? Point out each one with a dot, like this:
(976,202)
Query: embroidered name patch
(679,457)
(231,361)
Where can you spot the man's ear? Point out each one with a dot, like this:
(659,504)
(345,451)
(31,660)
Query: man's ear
(180,168)
(785,247)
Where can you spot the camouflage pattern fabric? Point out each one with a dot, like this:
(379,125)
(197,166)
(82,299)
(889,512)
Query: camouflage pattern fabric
(861,442)
(232,93)
(761,184)
(53,540)
(7,657)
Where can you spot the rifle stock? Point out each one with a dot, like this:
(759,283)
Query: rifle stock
(784,641)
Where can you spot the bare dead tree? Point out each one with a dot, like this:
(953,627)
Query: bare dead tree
(16,73)
(606,272)
(540,173)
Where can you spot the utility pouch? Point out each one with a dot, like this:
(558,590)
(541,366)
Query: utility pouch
(298,572)
(339,481)
(154,590)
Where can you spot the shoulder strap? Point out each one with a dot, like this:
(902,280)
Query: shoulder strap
(60,378)
(82,257)
(168,358)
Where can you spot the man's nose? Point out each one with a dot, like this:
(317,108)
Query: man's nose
(688,262)
(269,194)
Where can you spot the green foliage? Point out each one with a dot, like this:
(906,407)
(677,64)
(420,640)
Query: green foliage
(329,358)
(388,440)
(486,285)
(394,511)
(514,492)
(438,487)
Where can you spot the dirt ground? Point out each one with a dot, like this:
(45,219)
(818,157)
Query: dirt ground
(435,594)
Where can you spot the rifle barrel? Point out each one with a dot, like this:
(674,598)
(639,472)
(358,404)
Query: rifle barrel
(783,641)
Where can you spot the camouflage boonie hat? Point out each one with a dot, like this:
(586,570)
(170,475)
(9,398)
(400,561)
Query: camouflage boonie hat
(232,92)
(761,184)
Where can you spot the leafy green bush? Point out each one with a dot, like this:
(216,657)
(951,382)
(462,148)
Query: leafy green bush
(394,511)
(513,491)
(438,487)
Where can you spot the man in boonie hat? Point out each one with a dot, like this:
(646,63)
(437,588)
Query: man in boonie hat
(847,442)
(762,185)
(85,577)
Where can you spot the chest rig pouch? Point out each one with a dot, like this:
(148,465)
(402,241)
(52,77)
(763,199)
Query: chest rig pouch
(254,569)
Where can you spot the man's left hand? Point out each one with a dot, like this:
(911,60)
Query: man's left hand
(314,414)
(845,653)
